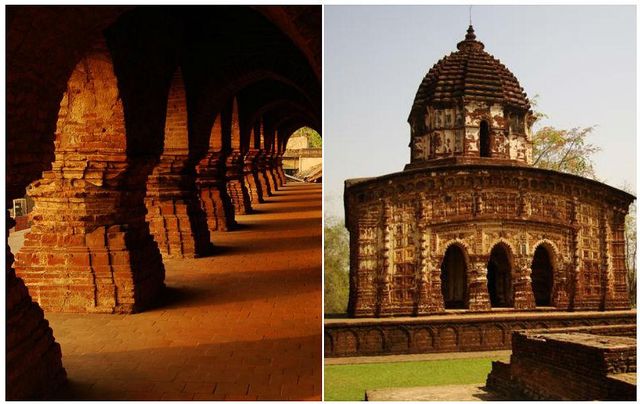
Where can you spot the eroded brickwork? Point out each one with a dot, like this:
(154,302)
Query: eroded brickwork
(469,224)
(460,333)
(89,248)
(567,366)
(176,219)
(235,168)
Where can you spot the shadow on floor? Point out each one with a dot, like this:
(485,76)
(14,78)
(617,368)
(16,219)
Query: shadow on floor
(267,369)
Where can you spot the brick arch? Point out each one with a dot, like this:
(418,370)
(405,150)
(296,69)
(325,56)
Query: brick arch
(90,241)
(211,104)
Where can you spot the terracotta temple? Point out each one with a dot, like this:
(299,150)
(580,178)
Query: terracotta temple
(470,223)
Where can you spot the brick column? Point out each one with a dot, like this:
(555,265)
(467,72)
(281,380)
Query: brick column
(282,179)
(270,169)
(216,203)
(176,220)
(263,180)
(33,357)
(89,249)
(251,176)
(235,167)
(522,292)
(478,291)
(235,183)
(384,277)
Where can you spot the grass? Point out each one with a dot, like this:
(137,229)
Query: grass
(349,382)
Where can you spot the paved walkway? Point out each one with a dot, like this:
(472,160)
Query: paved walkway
(357,360)
(244,324)
(462,392)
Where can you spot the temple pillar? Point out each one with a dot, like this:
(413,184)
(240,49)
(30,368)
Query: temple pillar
(236,187)
(262,177)
(214,199)
(89,249)
(251,176)
(478,290)
(523,298)
(280,171)
(384,306)
(235,168)
(176,220)
(33,357)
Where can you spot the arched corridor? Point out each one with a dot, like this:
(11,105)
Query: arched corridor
(241,324)
(137,131)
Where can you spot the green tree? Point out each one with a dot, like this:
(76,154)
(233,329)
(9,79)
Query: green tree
(336,266)
(570,151)
(564,150)
(313,137)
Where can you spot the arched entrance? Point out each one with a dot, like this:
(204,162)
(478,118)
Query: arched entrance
(542,276)
(485,149)
(453,275)
(499,277)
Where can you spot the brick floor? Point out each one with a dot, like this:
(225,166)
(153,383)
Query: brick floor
(243,324)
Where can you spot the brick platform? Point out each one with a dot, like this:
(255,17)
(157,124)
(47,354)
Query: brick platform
(568,365)
(451,332)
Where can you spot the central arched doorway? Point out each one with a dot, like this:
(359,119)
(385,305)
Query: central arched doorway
(453,275)
(542,276)
(499,277)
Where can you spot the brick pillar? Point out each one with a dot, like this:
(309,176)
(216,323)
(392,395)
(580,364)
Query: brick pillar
(522,291)
(263,180)
(560,296)
(215,201)
(280,171)
(251,176)
(478,291)
(33,357)
(384,277)
(235,183)
(176,219)
(436,299)
(270,171)
(89,249)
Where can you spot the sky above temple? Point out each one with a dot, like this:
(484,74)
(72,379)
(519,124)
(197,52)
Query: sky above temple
(579,60)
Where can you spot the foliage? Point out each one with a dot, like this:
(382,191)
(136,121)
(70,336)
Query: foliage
(336,266)
(349,382)
(569,151)
(565,150)
(313,137)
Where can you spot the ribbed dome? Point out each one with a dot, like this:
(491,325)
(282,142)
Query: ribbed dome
(470,74)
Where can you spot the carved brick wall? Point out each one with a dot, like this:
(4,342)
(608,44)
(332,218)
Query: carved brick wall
(477,208)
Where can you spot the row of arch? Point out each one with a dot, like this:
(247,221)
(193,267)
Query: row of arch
(133,124)
(500,276)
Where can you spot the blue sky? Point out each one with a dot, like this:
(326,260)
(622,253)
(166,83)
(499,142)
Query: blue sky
(580,60)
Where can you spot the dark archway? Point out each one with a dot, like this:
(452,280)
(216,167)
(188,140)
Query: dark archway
(499,277)
(485,144)
(453,275)
(542,276)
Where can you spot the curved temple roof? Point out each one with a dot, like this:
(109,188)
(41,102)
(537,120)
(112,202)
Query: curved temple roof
(469,74)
